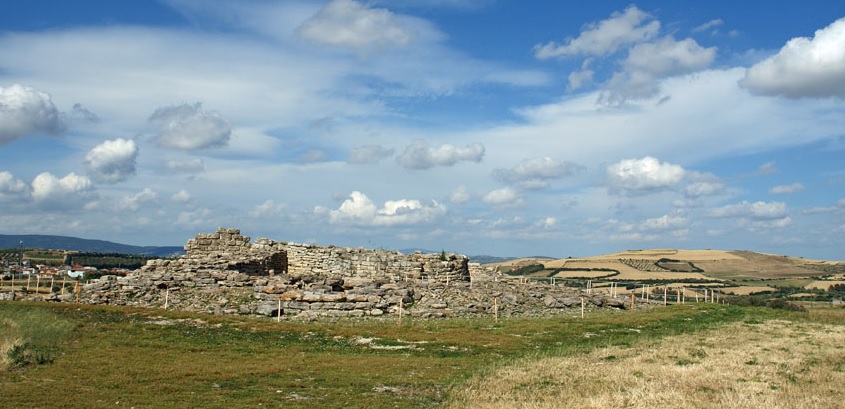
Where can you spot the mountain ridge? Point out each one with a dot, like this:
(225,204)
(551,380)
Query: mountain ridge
(44,241)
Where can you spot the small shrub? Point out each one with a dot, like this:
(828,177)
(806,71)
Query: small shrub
(27,353)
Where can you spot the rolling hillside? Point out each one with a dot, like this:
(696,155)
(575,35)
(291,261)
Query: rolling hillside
(37,241)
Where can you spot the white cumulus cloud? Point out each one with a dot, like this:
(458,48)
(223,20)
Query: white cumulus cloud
(804,67)
(504,197)
(420,155)
(11,188)
(190,127)
(534,174)
(644,175)
(25,111)
(358,209)
(48,189)
(351,24)
(112,161)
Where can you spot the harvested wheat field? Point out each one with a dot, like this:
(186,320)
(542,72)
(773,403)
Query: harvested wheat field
(768,364)
(626,272)
(823,284)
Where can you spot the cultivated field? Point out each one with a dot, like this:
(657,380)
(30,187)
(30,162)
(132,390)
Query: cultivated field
(743,272)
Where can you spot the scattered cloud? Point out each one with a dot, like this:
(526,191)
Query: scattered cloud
(369,154)
(664,222)
(649,58)
(460,195)
(716,22)
(82,113)
(181,196)
(420,155)
(27,111)
(134,202)
(190,127)
(637,176)
(112,161)
(767,168)
(605,37)
(52,191)
(804,67)
(703,184)
(358,209)
(648,62)
(268,209)
(756,211)
(503,198)
(786,189)
(191,166)
(11,188)
(535,174)
(196,218)
(353,25)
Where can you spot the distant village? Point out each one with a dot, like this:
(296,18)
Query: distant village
(73,271)
(19,265)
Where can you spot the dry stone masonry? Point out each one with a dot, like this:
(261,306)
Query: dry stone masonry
(225,273)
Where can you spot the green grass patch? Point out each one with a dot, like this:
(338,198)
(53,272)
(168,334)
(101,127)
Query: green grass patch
(148,358)
(30,336)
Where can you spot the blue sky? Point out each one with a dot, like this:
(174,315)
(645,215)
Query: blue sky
(475,126)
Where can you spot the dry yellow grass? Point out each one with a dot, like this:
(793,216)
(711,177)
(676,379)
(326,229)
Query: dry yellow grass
(9,338)
(773,364)
(626,272)
(748,290)
(823,284)
(675,254)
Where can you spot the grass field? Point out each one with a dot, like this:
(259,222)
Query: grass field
(146,358)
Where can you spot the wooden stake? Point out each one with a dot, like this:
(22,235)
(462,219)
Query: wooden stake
(279,311)
(400,310)
(166,297)
(496,309)
(63,285)
(633,298)
(664,295)
(76,291)
(28,276)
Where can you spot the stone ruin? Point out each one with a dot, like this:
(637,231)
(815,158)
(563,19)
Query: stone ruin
(225,273)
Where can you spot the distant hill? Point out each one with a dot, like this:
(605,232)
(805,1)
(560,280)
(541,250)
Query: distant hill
(38,241)
(483,259)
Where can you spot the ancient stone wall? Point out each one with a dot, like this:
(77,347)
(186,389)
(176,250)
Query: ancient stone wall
(224,273)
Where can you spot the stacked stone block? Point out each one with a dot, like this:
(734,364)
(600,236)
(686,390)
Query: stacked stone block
(224,273)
